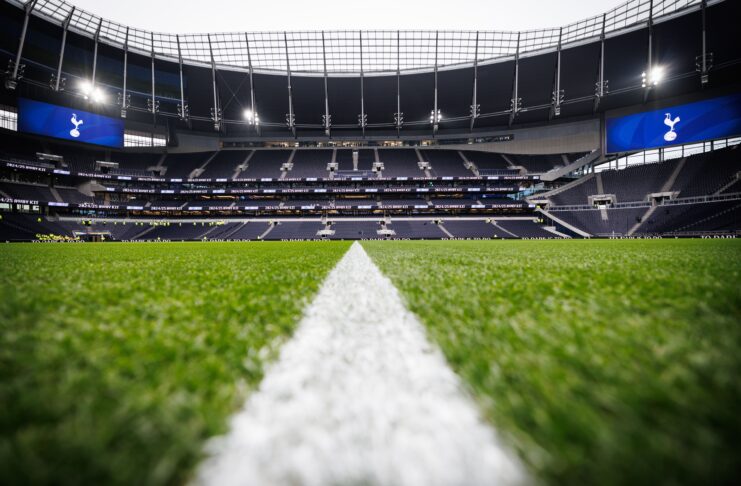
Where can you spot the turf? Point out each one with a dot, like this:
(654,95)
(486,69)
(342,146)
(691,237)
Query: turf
(604,362)
(117,361)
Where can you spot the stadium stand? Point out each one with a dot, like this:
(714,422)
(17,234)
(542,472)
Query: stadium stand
(224,164)
(72,195)
(619,220)
(472,229)
(178,232)
(689,218)
(30,191)
(136,163)
(344,159)
(416,230)
(488,162)
(182,165)
(400,163)
(310,163)
(295,230)
(354,230)
(706,173)
(265,163)
(524,229)
(635,183)
(446,163)
(538,164)
(252,230)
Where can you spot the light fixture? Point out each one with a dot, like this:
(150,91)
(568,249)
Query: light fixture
(653,77)
(96,95)
(86,87)
(251,117)
(435,117)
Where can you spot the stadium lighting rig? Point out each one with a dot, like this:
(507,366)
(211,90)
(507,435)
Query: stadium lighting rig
(653,77)
(90,92)
(435,118)
(251,117)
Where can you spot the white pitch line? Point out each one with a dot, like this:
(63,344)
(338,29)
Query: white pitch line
(359,396)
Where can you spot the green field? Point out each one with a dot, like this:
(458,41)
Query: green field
(603,362)
(118,360)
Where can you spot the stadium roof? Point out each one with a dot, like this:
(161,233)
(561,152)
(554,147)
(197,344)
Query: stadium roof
(346,52)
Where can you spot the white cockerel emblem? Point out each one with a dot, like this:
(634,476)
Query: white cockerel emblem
(671,135)
(75,132)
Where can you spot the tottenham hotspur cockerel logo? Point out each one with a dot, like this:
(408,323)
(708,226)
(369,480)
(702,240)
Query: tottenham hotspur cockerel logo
(75,132)
(671,135)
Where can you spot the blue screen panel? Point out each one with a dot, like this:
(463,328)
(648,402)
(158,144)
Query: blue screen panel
(676,125)
(69,124)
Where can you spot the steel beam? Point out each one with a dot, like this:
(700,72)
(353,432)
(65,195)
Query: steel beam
(124,95)
(12,81)
(515,85)
(362,119)
(327,116)
(435,112)
(153,101)
(649,66)
(557,93)
(601,85)
(474,97)
(57,83)
(183,109)
(290,118)
(95,57)
(216,115)
(253,102)
(398,116)
(706,61)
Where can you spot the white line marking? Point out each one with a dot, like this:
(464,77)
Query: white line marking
(359,396)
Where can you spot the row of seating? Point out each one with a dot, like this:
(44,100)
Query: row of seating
(699,175)
(25,227)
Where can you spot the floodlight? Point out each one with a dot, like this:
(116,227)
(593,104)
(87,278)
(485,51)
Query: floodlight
(653,77)
(251,117)
(86,87)
(657,75)
(96,95)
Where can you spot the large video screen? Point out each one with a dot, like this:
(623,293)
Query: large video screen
(69,124)
(676,125)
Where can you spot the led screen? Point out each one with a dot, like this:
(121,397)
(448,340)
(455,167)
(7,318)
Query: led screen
(69,124)
(676,125)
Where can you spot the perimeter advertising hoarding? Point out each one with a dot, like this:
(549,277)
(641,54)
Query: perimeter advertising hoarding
(69,124)
(676,125)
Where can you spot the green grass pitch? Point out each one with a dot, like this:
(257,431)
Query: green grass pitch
(118,360)
(603,362)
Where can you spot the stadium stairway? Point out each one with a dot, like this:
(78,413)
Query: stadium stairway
(563,223)
(564,188)
(709,218)
(55,194)
(731,183)
(644,218)
(241,167)
(199,170)
(666,187)
(503,230)
(444,230)
(266,232)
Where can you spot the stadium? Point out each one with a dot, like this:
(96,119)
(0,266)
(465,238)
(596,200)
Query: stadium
(296,256)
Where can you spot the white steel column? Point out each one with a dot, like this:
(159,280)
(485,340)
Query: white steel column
(57,81)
